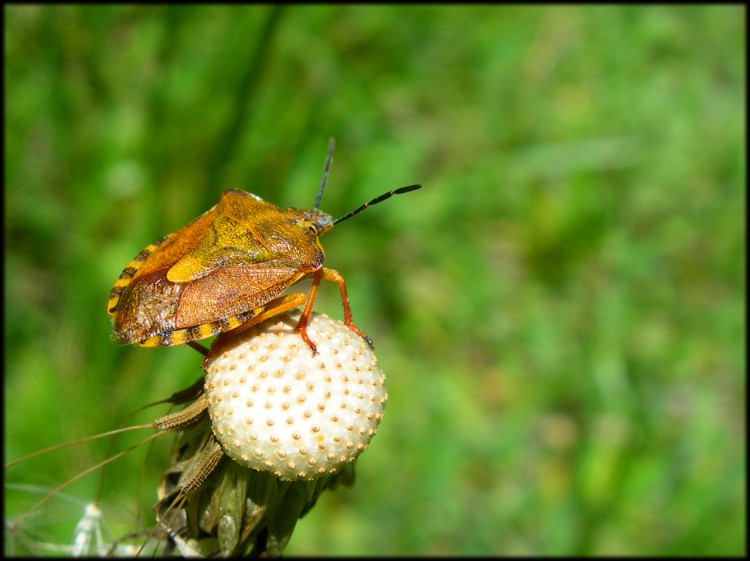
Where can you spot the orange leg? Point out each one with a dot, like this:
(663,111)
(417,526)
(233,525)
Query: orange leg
(331,276)
(273,308)
(305,317)
(334,276)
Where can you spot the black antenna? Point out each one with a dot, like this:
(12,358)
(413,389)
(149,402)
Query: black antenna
(377,200)
(326,168)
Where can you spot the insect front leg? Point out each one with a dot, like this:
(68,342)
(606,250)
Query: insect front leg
(305,317)
(331,276)
(334,276)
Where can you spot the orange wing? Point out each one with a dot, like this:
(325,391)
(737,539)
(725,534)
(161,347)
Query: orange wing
(230,291)
(152,306)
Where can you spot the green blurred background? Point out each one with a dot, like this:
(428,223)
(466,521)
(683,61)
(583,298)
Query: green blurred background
(559,311)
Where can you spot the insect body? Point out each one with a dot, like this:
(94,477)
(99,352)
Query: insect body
(227,268)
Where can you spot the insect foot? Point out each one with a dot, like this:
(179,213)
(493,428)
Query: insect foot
(290,425)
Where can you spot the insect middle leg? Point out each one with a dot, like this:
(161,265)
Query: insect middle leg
(275,307)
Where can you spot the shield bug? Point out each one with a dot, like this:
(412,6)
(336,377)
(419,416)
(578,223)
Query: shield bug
(228,268)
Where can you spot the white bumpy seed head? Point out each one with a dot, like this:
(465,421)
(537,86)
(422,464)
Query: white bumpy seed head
(275,407)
